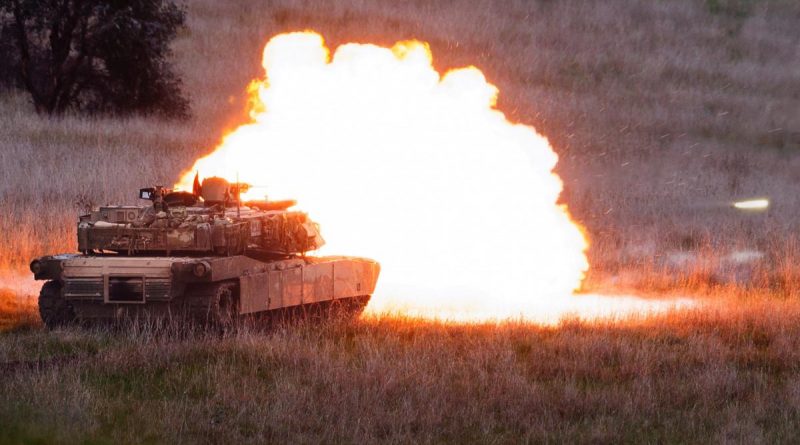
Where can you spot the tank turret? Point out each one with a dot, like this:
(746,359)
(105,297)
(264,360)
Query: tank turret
(211,221)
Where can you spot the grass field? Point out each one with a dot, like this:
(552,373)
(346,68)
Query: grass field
(725,374)
(662,113)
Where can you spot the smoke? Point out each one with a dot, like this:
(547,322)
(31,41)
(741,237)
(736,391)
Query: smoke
(17,299)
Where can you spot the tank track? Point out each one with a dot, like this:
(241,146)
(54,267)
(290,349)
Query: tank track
(53,308)
(212,304)
(342,309)
(351,307)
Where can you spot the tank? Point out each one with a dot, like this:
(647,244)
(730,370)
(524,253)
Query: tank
(205,254)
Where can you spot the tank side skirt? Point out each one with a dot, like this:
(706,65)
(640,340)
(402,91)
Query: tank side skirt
(309,284)
(254,293)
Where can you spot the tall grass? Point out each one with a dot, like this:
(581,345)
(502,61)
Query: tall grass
(727,374)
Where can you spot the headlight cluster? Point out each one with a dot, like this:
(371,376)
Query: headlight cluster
(201,269)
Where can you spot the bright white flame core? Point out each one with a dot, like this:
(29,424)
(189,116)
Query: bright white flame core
(416,170)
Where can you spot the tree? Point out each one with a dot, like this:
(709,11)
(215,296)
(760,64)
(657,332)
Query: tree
(93,55)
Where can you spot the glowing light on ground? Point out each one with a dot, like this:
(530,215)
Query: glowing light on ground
(417,170)
(584,307)
(17,290)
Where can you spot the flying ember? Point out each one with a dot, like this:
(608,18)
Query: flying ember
(413,168)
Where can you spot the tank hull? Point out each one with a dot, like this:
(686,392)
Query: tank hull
(110,287)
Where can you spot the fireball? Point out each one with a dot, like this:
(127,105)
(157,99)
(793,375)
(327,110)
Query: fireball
(416,169)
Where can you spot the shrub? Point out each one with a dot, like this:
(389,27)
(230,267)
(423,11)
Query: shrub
(93,55)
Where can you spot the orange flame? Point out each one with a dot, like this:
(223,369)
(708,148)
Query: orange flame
(417,170)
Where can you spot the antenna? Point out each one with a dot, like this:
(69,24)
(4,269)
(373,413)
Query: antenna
(238,195)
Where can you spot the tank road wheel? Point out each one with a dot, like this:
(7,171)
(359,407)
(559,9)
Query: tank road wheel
(215,305)
(53,308)
(225,306)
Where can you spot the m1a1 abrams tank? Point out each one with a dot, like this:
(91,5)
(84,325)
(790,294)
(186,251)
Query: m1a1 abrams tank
(205,254)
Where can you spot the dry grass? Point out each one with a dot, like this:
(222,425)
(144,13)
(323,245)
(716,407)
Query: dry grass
(17,312)
(726,374)
(662,113)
